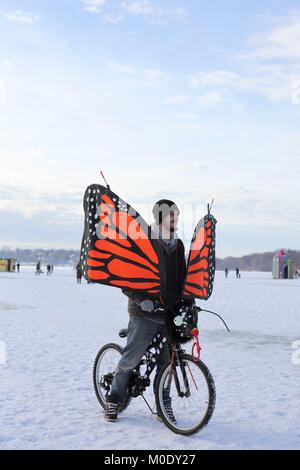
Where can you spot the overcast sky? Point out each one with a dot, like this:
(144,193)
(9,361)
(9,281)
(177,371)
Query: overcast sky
(187,100)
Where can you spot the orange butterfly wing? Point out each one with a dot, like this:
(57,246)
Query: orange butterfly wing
(116,248)
(200,273)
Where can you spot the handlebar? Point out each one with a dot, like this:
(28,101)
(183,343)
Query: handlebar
(161,310)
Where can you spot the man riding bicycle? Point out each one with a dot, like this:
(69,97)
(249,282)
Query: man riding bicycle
(144,321)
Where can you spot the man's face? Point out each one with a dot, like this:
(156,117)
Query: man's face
(170,221)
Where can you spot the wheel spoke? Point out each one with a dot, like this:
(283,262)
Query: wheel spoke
(189,369)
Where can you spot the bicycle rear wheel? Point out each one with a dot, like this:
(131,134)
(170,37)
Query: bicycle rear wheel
(104,368)
(185,395)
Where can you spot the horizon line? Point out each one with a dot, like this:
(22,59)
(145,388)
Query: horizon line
(78,249)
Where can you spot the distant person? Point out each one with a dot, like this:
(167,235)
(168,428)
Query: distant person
(297,273)
(226,272)
(237,271)
(78,273)
(38,269)
(18,267)
(48,269)
(52,267)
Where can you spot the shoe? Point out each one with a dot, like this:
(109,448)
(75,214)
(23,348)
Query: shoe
(112,408)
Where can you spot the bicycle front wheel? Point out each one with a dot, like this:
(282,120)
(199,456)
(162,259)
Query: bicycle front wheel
(185,395)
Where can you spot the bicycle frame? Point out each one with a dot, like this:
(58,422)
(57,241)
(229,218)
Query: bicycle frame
(138,383)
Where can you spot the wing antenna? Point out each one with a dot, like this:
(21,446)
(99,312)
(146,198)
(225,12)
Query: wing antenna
(210,206)
(107,185)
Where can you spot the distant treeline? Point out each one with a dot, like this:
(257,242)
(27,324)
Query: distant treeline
(31,256)
(254,262)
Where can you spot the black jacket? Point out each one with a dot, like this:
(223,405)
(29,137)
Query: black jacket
(175,273)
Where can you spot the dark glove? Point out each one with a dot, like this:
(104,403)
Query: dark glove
(189,302)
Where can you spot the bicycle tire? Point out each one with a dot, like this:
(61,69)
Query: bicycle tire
(212,397)
(105,348)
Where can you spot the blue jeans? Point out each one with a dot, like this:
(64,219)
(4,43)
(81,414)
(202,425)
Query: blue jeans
(140,334)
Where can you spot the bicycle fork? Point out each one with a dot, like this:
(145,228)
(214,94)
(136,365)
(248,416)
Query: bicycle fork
(173,371)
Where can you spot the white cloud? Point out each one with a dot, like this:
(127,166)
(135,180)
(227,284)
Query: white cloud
(140,7)
(269,67)
(211,99)
(94,6)
(213,78)
(132,76)
(124,69)
(177,99)
(186,116)
(19,16)
(27,158)
(279,42)
(6,63)
(3,93)
(29,202)
(38,153)
(115,13)
(296,92)
(275,82)
(155,12)
(113,18)
(181,14)
(154,77)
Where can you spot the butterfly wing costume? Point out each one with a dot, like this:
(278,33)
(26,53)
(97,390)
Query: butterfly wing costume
(117,249)
(200,274)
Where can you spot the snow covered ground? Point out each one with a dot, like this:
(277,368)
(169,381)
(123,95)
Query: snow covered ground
(52,328)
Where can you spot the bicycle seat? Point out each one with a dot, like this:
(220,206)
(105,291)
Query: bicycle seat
(123,332)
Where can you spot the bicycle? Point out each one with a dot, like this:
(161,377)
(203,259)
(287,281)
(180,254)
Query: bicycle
(184,388)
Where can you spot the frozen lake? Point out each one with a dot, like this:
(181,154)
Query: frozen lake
(52,329)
